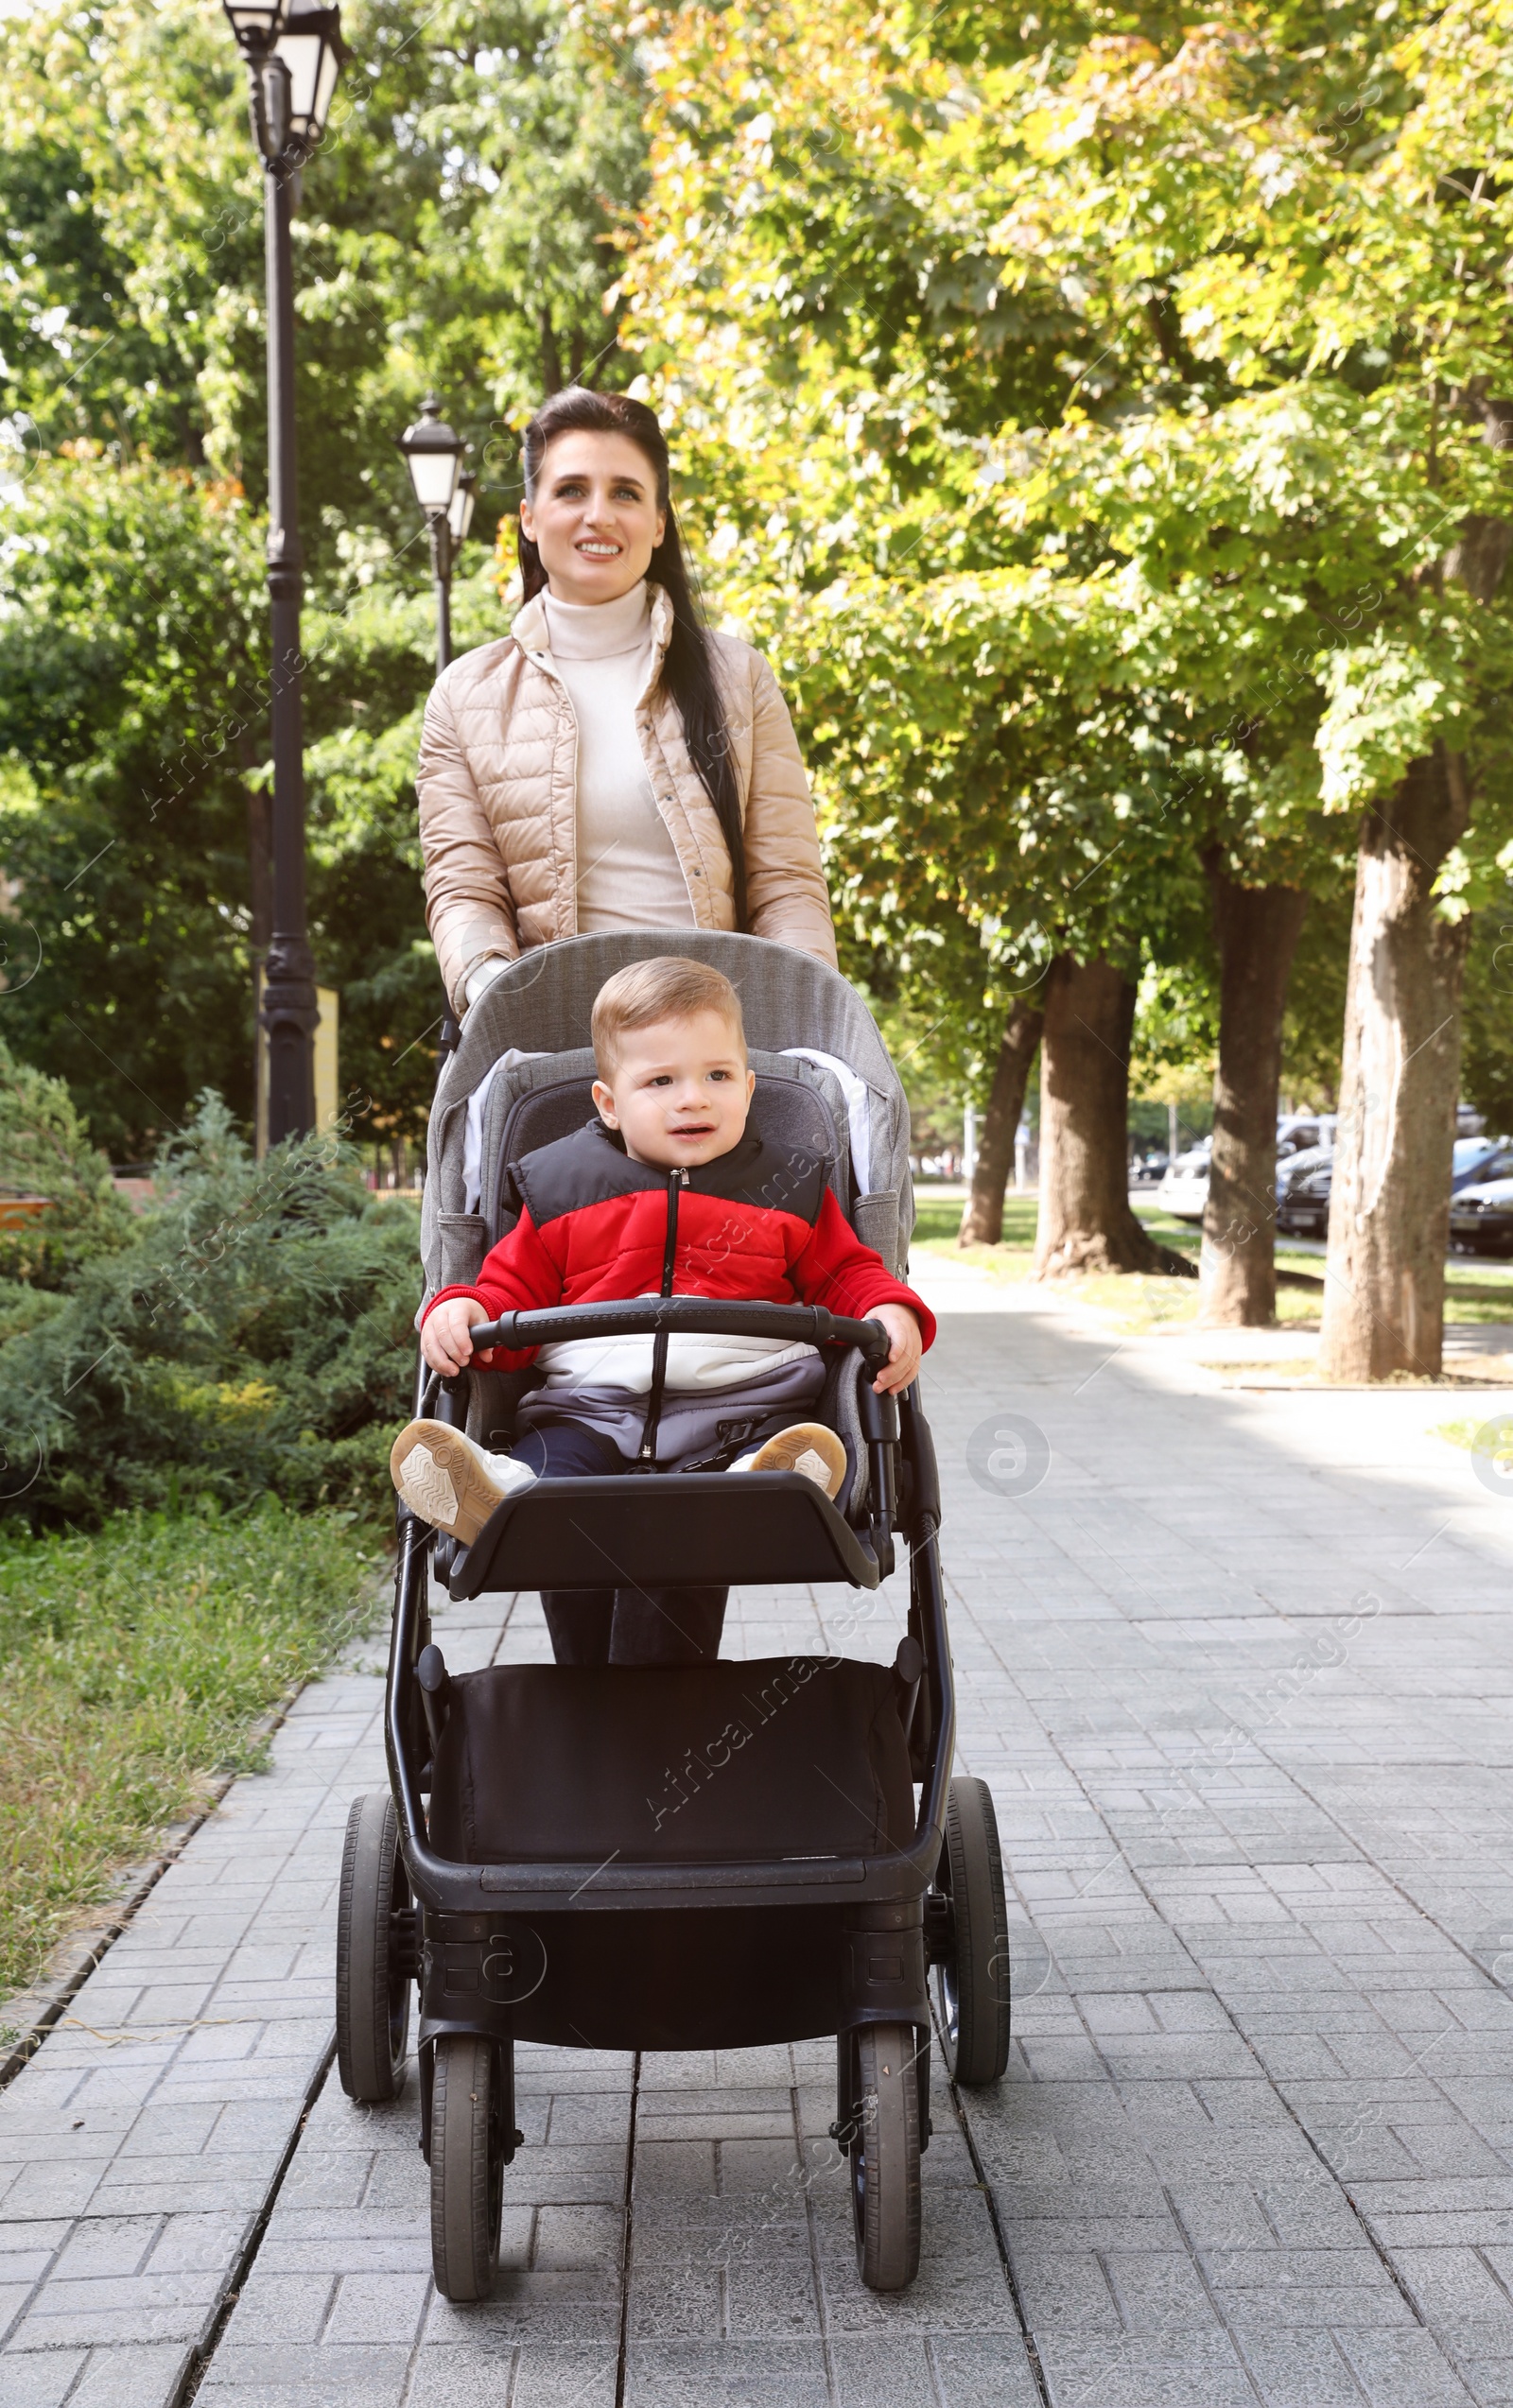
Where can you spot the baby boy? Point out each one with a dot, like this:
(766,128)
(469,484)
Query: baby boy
(667,1191)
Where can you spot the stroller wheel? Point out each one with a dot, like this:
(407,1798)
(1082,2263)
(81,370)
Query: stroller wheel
(972,1985)
(469,2110)
(374,1953)
(880,2118)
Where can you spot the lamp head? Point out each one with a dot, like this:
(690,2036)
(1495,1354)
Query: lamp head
(459,517)
(255,23)
(434,456)
(309,43)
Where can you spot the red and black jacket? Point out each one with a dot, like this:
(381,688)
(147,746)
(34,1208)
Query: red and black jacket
(759,1224)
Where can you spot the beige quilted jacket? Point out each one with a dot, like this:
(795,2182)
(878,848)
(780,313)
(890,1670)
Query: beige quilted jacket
(497,801)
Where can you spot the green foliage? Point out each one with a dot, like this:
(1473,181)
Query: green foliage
(133,1665)
(1486,1053)
(1088,420)
(1314,1023)
(456,230)
(131,661)
(253,1338)
(130,657)
(45,1154)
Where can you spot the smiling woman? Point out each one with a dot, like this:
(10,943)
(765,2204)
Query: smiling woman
(610,763)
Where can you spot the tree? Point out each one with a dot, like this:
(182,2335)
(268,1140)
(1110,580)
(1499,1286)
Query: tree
(132,663)
(983,1217)
(1085,1222)
(1256,929)
(991,712)
(1390,1205)
(454,230)
(1371,300)
(1184,324)
(130,620)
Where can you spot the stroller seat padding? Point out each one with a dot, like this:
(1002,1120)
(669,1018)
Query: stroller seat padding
(782,1757)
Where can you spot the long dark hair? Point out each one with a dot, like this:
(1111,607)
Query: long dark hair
(688,669)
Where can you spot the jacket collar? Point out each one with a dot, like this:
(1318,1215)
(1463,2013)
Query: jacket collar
(528,628)
(707,1178)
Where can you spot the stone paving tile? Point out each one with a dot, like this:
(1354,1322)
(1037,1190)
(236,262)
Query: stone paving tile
(144,2138)
(1247,1732)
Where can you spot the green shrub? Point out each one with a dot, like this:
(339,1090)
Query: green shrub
(132,1662)
(253,1336)
(45,1151)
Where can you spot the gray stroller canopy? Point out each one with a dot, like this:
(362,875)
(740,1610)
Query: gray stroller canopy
(805,1027)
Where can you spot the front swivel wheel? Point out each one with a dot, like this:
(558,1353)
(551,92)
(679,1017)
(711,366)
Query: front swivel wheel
(879,2126)
(472,2138)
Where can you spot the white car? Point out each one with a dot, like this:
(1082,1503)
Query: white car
(1184,1190)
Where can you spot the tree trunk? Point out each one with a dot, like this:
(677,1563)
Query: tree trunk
(550,351)
(1256,927)
(1086,1223)
(983,1221)
(1389,1210)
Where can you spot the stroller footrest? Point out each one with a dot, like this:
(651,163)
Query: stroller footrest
(679,1530)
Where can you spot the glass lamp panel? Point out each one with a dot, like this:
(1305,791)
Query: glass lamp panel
(310,45)
(326,84)
(433,474)
(301,53)
(255,16)
(459,517)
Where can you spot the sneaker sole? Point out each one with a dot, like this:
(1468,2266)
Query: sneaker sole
(439,1481)
(786,1451)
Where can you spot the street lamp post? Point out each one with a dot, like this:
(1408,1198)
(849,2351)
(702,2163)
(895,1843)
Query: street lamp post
(294,56)
(434,456)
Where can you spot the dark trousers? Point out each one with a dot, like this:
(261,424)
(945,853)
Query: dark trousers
(617,1625)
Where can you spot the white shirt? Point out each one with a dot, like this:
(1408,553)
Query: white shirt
(629,875)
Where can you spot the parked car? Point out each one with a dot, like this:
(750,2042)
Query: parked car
(1184,1189)
(1471,1161)
(1304,1141)
(1146,1168)
(1293,1166)
(1481,1212)
(1480,1167)
(1304,1133)
(1303,1204)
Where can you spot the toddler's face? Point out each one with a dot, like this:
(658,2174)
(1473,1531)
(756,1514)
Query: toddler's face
(680,1093)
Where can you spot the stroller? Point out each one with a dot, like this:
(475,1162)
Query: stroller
(717,1854)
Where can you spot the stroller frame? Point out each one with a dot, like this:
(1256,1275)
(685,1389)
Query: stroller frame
(477,1935)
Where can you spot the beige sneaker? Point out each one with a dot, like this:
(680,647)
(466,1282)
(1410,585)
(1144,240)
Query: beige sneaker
(808,1447)
(449,1479)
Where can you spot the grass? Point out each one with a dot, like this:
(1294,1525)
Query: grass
(135,1663)
(938,1218)
(1480,1436)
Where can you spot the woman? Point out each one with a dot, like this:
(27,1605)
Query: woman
(610,763)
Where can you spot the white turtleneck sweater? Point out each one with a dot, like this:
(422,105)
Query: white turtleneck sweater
(629,875)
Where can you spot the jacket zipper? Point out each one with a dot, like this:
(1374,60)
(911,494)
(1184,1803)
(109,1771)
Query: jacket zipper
(676,1179)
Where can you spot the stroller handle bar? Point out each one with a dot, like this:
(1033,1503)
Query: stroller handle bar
(643,1316)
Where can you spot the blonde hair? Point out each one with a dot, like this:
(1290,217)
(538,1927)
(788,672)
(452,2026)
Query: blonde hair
(668,987)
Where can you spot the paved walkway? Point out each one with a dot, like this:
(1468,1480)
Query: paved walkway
(1238,1666)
